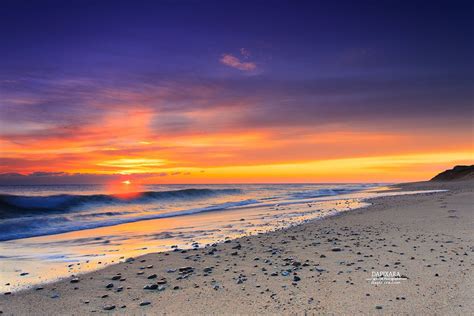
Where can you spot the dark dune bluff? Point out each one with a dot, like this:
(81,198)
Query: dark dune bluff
(456,174)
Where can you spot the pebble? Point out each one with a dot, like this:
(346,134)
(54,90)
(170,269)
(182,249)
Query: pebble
(109,307)
(161,281)
(161,288)
(150,287)
(186,269)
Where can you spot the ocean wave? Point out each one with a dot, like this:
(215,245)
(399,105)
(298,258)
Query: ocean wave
(17,205)
(23,216)
(25,227)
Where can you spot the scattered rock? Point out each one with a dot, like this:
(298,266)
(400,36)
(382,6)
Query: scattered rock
(161,288)
(161,281)
(186,269)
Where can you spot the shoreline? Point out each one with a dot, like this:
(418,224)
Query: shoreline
(253,277)
(85,267)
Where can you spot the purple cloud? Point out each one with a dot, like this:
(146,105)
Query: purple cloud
(234,62)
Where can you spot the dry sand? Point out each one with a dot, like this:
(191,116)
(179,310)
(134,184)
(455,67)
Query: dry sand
(427,238)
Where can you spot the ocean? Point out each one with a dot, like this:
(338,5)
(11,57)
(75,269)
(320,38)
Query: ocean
(30,211)
(50,232)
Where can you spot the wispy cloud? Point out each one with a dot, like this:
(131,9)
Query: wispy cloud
(234,62)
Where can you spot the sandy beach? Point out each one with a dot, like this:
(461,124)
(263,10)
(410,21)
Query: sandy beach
(236,157)
(321,267)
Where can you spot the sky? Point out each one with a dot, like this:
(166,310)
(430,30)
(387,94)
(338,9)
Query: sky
(234,91)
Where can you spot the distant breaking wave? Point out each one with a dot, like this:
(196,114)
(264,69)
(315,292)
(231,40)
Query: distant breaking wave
(326,192)
(15,205)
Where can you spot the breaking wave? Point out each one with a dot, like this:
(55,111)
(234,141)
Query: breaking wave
(17,205)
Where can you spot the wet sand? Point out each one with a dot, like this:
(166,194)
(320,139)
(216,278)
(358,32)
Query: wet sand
(321,267)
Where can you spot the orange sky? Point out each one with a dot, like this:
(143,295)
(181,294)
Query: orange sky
(122,143)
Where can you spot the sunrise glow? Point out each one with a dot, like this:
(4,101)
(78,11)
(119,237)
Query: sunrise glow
(234,109)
